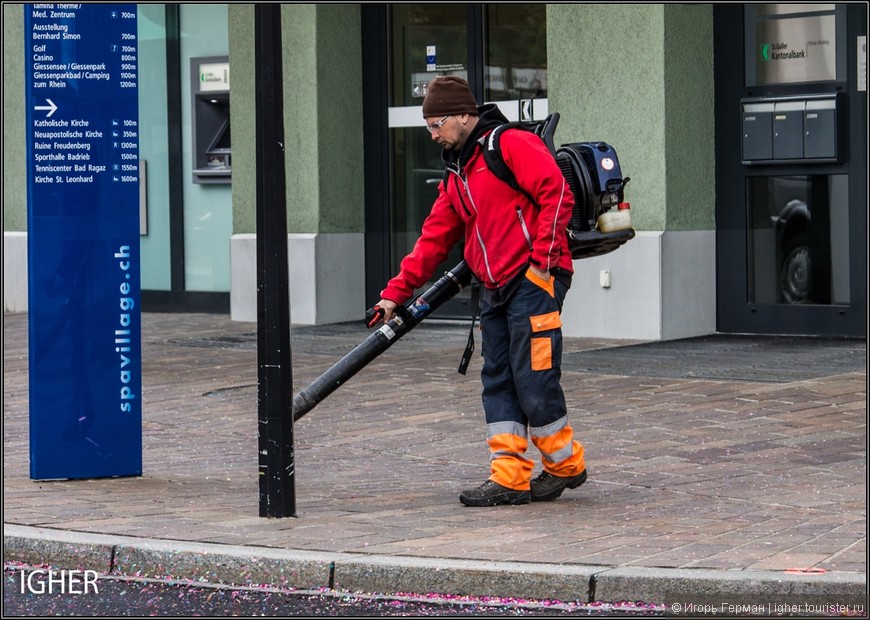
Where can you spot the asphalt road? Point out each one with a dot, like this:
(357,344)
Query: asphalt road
(39,593)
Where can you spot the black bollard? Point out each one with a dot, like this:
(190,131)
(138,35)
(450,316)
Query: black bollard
(407,318)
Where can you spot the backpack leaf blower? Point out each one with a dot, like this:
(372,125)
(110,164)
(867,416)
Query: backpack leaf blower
(594,176)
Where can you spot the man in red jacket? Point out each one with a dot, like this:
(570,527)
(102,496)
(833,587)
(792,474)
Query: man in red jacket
(518,250)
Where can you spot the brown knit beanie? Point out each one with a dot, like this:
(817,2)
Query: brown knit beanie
(448,94)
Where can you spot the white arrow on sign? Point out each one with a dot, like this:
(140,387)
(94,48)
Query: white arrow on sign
(50,107)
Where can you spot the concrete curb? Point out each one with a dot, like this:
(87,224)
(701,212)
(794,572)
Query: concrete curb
(685,590)
(719,589)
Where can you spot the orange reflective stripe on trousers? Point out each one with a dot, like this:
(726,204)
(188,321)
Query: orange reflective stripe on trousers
(509,467)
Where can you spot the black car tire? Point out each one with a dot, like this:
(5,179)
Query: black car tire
(795,269)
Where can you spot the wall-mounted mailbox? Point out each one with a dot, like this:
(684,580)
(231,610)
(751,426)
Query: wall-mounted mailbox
(758,130)
(210,120)
(788,129)
(791,129)
(820,129)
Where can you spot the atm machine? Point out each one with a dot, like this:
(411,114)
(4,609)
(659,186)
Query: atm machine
(210,119)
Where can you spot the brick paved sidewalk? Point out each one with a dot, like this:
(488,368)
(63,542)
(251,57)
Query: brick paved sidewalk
(685,473)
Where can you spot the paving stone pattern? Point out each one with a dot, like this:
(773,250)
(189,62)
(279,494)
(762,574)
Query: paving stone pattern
(710,471)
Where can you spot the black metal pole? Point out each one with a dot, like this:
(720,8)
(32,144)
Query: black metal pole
(275,378)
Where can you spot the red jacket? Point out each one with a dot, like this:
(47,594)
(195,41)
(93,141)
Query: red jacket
(504,231)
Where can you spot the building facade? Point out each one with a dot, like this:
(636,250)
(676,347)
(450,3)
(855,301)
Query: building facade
(742,128)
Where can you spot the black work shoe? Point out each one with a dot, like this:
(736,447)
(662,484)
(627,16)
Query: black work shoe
(493,494)
(548,487)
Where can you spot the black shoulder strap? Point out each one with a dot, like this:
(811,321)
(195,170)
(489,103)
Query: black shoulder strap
(492,155)
(494,160)
(544,129)
(492,148)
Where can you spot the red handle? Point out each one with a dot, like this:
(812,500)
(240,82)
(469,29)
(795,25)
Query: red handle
(373,315)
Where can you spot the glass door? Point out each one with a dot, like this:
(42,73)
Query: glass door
(425,40)
(515,57)
(501,50)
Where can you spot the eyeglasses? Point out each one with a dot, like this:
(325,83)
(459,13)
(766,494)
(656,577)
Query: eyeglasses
(436,126)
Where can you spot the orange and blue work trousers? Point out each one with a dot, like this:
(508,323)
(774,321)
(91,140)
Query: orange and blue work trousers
(522,391)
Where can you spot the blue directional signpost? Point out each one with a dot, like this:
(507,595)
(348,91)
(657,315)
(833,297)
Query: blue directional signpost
(83,240)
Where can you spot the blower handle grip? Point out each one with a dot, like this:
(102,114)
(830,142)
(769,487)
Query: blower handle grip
(373,315)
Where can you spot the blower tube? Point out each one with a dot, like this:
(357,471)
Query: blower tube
(406,318)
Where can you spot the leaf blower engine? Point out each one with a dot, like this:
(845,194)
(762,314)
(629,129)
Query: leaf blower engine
(601,221)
